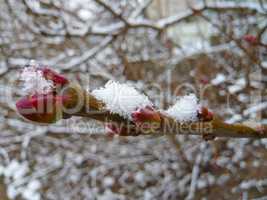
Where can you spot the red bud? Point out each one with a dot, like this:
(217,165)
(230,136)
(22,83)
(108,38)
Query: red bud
(250,39)
(57,79)
(41,108)
(261,129)
(204,80)
(147,114)
(204,114)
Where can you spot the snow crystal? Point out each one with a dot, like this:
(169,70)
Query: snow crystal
(34,81)
(185,109)
(121,98)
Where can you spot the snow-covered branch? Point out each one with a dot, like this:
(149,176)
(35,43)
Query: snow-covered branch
(130,112)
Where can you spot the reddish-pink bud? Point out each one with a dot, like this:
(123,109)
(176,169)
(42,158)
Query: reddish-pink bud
(147,114)
(204,114)
(204,80)
(41,108)
(261,129)
(57,78)
(251,39)
(146,119)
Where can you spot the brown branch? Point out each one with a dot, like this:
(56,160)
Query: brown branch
(216,128)
(140,10)
(237,7)
(168,126)
(111,10)
(3,194)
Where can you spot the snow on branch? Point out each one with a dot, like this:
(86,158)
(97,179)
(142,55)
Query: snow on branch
(185,109)
(133,21)
(225,5)
(34,81)
(121,98)
(132,113)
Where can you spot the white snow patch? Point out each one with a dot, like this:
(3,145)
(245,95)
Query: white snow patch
(109,195)
(122,99)
(139,177)
(31,190)
(234,118)
(239,85)
(185,109)
(16,170)
(34,82)
(19,182)
(34,185)
(252,183)
(148,195)
(255,108)
(220,78)
(21,171)
(12,192)
(85,14)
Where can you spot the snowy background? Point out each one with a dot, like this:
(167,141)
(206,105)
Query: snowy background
(165,48)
